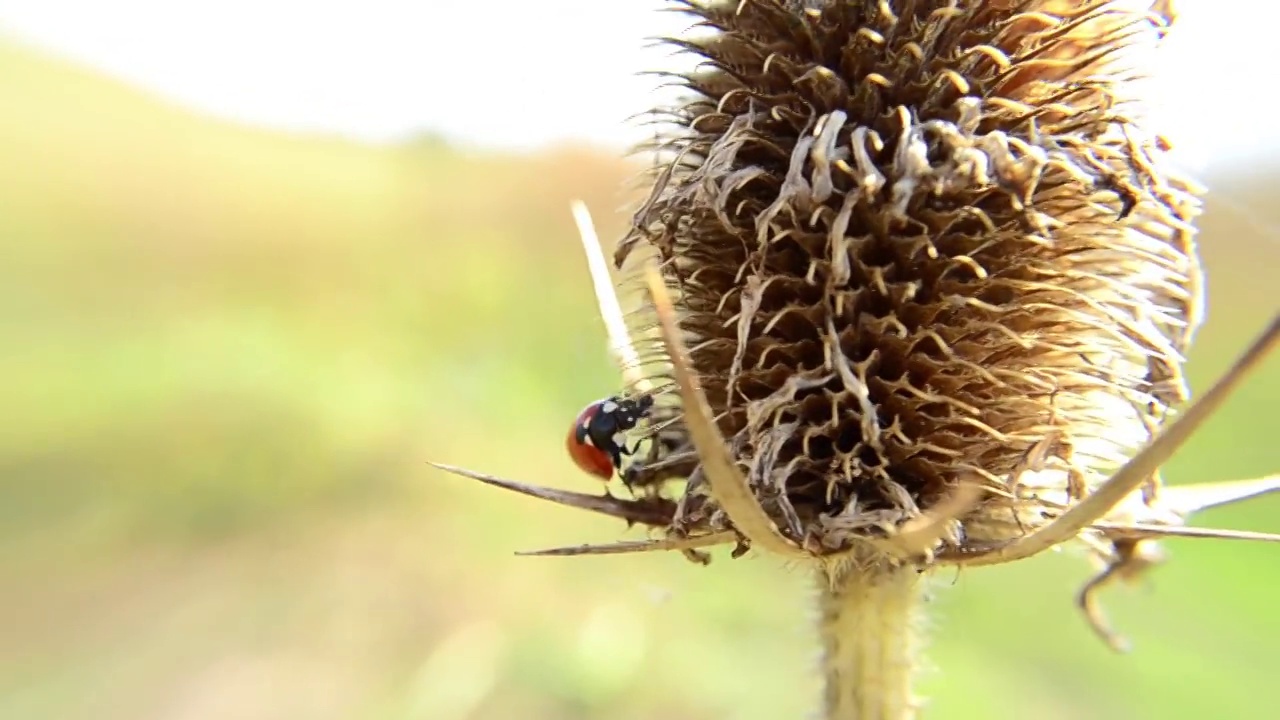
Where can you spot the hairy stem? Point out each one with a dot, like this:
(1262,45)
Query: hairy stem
(869,642)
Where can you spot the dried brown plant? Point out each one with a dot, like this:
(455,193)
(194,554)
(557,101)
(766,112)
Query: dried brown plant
(922,283)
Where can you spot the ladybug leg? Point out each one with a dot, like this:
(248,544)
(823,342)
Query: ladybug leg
(627,451)
(616,453)
(624,475)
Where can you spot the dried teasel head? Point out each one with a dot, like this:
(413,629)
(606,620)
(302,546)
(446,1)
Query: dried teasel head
(924,280)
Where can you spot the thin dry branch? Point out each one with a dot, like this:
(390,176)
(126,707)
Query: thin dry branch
(646,511)
(639,546)
(620,345)
(1136,472)
(1186,500)
(727,483)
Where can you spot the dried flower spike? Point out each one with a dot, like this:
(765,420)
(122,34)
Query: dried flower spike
(924,282)
(920,243)
(896,235)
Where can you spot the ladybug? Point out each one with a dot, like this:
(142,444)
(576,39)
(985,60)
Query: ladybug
(597,440)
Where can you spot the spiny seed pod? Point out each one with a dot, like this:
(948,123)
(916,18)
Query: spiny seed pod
(923,278)
(916,245)
(920,245)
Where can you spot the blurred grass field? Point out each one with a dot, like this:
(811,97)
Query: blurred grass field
(227,354)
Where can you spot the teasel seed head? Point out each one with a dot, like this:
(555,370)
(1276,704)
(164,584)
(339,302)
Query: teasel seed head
(922,282)
(920,244)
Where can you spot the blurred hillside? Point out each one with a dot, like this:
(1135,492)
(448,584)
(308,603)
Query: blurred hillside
(228,353)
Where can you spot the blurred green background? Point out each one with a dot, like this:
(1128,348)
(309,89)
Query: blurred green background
(227,355)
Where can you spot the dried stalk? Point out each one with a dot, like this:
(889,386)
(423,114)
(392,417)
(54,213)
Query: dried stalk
(919,274)
(869,624)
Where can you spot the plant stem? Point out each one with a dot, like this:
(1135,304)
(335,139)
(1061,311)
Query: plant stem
(869,641)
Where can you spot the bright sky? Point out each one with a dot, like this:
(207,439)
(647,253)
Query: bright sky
(548,71)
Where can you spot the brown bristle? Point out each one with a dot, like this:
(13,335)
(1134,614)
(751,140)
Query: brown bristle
(916,243)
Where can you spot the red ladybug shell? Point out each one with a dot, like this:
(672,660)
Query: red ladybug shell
(586,456)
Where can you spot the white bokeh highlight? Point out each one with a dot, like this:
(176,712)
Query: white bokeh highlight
(521,75)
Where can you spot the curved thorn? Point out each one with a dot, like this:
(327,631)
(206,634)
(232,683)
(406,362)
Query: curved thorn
(727,483)
(637,546)
(620,347)
(1187,500)
(1139,468)
(1130,557)
(920,534)
(1123,531)
(657,513)
(1093,614)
